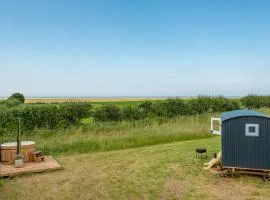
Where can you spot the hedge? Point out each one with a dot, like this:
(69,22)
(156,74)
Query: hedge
(44,116)
(168,109)
(52,116)
(256,101)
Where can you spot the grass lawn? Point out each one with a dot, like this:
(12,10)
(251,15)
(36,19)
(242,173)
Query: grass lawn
(165,171)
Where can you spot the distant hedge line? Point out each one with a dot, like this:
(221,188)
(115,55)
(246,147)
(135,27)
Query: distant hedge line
(168,109)
(43,116)
(256,101)
(62,115)
(52,116)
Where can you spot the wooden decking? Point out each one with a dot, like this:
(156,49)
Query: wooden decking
(49,164)
(235,170)
(213,162)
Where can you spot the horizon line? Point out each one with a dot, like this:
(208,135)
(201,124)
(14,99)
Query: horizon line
(104,97)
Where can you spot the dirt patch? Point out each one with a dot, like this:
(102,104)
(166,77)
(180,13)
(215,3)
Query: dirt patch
(206,186)
(177,171)
(173,189)
(229,189)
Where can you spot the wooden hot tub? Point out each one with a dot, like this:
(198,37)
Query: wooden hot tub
(8,151)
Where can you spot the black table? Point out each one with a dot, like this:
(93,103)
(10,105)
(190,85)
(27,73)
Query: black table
(201,151)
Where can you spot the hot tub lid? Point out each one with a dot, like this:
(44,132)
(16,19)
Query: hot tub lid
(11,145)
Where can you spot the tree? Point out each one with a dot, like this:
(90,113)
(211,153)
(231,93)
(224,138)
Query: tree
(17,96)
(11,102)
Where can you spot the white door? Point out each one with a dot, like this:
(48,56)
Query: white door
(215,126)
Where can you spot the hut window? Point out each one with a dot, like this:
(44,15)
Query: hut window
(252,130)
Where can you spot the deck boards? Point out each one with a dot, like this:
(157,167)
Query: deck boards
(48,164)
(212,162)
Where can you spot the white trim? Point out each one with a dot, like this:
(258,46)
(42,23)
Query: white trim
(252,134)
(215,132)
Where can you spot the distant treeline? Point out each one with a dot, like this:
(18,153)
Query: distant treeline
(169,108)
(63,115)
(256,101)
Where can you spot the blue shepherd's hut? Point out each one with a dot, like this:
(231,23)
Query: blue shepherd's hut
(245,140)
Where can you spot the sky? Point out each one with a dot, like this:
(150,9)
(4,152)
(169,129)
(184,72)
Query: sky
(134,48)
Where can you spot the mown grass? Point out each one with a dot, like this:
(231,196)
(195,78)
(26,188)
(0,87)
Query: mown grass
(166,171)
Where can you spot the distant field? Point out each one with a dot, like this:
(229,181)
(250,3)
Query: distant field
(91,100)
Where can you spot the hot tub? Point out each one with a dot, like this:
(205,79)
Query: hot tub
(8,151)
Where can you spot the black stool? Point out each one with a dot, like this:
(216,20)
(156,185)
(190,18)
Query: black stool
(201,151)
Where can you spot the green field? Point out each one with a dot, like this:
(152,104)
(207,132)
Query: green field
(125,103)
(115,100)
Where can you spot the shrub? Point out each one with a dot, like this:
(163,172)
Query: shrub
(131,113)
(255,101)
(175,107)
(204,104)
(72,113)
(147,110)
(108,113)
(221,104)
(233,105)
(159,109)
(17,96)
(12,102)
(146,106)
(199,105)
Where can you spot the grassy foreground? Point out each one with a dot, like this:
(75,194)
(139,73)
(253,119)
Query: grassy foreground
(167,171)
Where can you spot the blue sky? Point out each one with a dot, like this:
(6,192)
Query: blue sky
(134,48)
